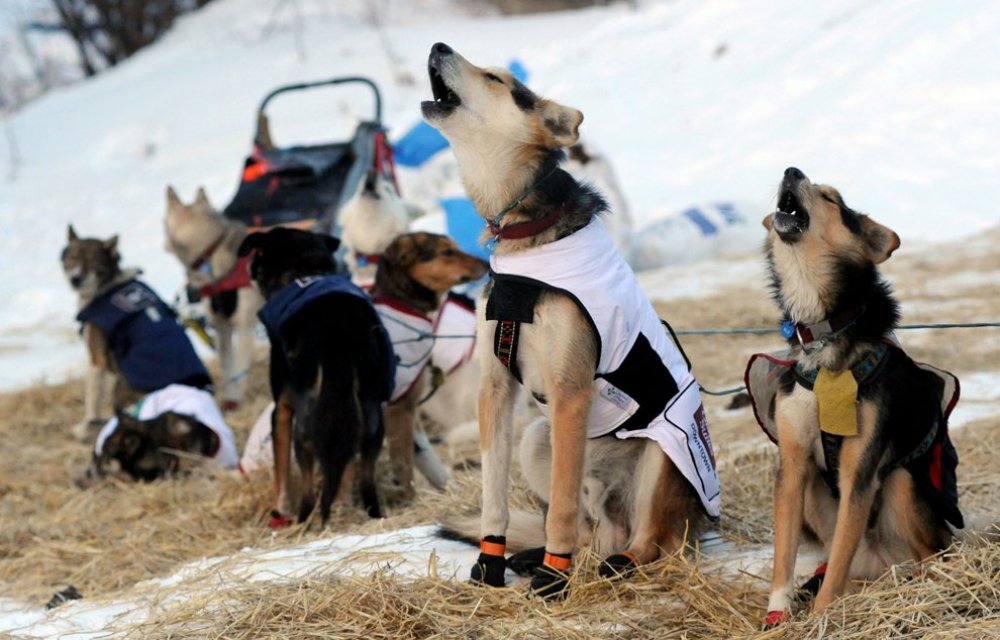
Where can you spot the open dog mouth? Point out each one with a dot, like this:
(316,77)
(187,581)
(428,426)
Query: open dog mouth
(445,99)
(791,218)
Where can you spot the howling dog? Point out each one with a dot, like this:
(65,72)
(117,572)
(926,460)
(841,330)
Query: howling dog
(862,430)
(332,367)
(205,243)
(564,318)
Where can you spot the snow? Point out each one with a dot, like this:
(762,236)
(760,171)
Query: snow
(696,101)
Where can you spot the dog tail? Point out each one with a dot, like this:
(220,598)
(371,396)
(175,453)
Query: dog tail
(525,531)
(335,429)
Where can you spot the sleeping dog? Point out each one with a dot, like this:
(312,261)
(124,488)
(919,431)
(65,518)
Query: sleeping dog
(331,368)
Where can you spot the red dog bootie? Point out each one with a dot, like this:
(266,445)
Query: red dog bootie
(774,618)
(551,580)
(279,520)
(491,566)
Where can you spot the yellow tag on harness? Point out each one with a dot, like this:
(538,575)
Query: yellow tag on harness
(837,394)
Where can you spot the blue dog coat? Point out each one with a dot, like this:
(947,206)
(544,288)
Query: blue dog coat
(303,292)
(149,346)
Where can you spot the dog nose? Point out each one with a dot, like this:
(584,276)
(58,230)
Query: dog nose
(441,48)
(791,173)
(76,281)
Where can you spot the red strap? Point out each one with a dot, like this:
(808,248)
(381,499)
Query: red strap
(521,230)
(279,522)
(238,278)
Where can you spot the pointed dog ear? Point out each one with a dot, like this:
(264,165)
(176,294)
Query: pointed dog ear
(561,123)
(252,242)
(768,221)
(111,244)
(880,241)
(172,200)
(71,234)
(332,242)
(201,197)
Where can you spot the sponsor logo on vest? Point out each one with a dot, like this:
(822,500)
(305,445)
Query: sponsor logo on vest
(618,397)
(701,423)
(133,297)
(307,281)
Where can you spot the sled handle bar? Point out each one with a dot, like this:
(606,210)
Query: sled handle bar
(323,83)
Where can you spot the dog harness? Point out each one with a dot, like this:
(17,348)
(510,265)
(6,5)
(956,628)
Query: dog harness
(299,294)
(188,401)
(149,346)
(456,317)
(412,334)
(642,386)
(931,461)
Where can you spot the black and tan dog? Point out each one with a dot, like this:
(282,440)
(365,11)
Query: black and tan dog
(566,319)
(866,461)
(162,446)
(331,367)
(415,273)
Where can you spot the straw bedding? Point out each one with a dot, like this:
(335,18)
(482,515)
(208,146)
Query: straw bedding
(106,539)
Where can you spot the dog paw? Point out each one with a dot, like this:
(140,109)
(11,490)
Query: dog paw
(620,565)
(279,520)
(550,583)
(810,587)
(489,570)
(524,563)
(775,618)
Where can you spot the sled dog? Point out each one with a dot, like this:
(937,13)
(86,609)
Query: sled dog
(331,368)
(554,321)
(414,275)
(866,463)
(128,330)
(205,243)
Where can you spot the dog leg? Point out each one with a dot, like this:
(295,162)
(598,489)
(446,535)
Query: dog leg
(224,345)
(306,459)
(426,460)
(789,505)
(497,395)
(569,441)
(399,432)
(371,445)
(662,511)
(858,486)
(281,443)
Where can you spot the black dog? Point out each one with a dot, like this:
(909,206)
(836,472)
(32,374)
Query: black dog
(332,367)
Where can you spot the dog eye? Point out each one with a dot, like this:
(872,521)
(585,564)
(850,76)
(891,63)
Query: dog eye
(829,199)
(490,76)
(448,253)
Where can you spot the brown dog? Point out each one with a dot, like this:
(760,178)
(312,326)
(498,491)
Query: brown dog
(414,274)
(566,320)
(862,430)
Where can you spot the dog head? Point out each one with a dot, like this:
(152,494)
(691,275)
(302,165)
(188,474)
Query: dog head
(473,105)
(89,263)
(813,219)
(190,228)
(144,448)
(421,267)
(373,217)
(282,255)
(812,238)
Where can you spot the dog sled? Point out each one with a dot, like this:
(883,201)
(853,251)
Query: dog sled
(305,185)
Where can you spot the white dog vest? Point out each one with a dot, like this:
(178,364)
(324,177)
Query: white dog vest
(643,387)
(187,401)
(412,335)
